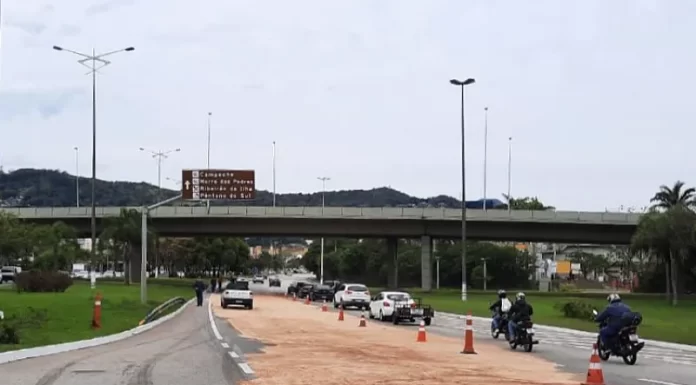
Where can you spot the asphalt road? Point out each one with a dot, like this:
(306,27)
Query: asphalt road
(181,351)
(658,366)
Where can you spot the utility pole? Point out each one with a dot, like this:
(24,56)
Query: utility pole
(323,180)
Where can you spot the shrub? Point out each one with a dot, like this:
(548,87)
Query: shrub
(9,335)
(36,281)
(576,309)
(11,326)
(567,288)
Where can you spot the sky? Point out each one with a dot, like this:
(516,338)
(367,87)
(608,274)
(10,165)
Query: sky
(596,95)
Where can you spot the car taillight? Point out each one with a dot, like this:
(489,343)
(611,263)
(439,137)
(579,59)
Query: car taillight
(349,292)
(413,306)
(250,294)
(367,293)
(385,304)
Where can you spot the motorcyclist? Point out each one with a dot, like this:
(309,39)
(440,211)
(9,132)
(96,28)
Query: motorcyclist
(611,318)
(500,307)
(520,311)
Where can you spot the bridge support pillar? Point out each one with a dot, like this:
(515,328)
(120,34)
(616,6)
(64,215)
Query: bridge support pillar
(135,263)
(426,263)
(393,262)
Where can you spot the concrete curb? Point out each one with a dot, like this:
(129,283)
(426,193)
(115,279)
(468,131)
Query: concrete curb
(41,351)
(555,329)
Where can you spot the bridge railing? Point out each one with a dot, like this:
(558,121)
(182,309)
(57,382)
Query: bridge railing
(393,213)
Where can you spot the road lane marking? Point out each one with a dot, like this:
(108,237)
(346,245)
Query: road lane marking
(658,382)
(233,354)
(216,332)
(225,345)
(249,371)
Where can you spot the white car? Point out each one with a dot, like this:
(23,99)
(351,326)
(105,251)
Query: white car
(237,293)
(352,295)
(396,306)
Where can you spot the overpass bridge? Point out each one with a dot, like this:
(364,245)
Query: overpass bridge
(387,222)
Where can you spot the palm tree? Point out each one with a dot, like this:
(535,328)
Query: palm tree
(668,197)
(124,231)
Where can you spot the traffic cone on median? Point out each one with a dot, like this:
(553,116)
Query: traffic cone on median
(362,323)
(595,376)
(340,313)
(324,307)
(307,301)
(294,296)
(469,336)
(421,332)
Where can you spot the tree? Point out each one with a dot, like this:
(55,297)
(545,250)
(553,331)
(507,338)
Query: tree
(677,195)
(124,233)
(590,263)
(526,203)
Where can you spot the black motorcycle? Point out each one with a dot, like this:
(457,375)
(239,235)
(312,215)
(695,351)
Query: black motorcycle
(502,327)
(627,344)
(524,336)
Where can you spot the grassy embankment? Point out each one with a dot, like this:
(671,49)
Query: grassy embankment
(68,315)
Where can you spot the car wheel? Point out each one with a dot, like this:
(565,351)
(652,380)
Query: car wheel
(251,307)
(381,316)
(427,321)
(222,305)
(370,315)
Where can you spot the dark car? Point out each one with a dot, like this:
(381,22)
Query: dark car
(321,293)
(304,291)
(333,284)
(295,287)
(274,281)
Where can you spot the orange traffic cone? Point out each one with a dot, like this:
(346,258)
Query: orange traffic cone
(362,323)
(421,332)
(469,336)
(324,307)
(595,376)
(340,313)
(294,296)
(307,301)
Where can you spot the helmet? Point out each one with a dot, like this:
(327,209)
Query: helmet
(613,297)
(502,293)
(520,295)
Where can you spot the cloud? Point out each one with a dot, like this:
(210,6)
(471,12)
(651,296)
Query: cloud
(15,104)
(106,6)
(31,28)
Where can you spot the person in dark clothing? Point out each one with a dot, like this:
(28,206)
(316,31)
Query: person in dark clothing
(500,307)
(213,281)
(199,287)
(219,285)
(611,317)
(520,311)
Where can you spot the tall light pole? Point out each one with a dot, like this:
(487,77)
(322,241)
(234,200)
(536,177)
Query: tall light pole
(159,155)
(485,274)
(462,84)
(323,180)
(177,181)
(274,173)
(485,159)
(77,176)
(509,174)
(210,114)
(94,63)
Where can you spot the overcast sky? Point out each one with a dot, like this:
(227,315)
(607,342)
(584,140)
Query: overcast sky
(597,95)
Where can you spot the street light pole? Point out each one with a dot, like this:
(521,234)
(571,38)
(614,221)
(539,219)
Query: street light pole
(485,159)
(274,173)
(77,176)
(509,173)
(323,180)
(210,114)
(159,155)
(90,61)
(461,85)
(485,274)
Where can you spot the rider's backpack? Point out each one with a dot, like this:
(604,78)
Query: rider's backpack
(505,305)
(631,319)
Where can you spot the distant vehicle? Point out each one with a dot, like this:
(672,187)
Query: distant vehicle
(274,281)
(242,279)
(321,293)
(237,293)
(8,273)
(258,279)
(295,287)
(396,306)
(352,295)
(304,291)
(332,284)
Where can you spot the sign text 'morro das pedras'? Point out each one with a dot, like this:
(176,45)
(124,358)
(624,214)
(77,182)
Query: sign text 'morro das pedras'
(218,184)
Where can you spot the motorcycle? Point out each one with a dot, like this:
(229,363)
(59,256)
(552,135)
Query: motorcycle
(626,345)
(524,336)
(502,327)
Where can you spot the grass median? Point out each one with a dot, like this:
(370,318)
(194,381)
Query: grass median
(661,321)
(65,317)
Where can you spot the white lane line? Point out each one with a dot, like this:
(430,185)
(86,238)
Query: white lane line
(233,354)
(658,382)
(216,332)
(248,370)
(225,345)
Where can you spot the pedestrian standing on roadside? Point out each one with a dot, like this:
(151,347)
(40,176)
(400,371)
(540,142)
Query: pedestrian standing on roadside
(212,285)
(199,287)
(219,285)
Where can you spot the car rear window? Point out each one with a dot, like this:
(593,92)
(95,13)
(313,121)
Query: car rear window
(398,297)
(323,287)
(357,288)
(243,285)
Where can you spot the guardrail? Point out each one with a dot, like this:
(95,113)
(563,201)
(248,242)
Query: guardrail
(393,213)
(163,309)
